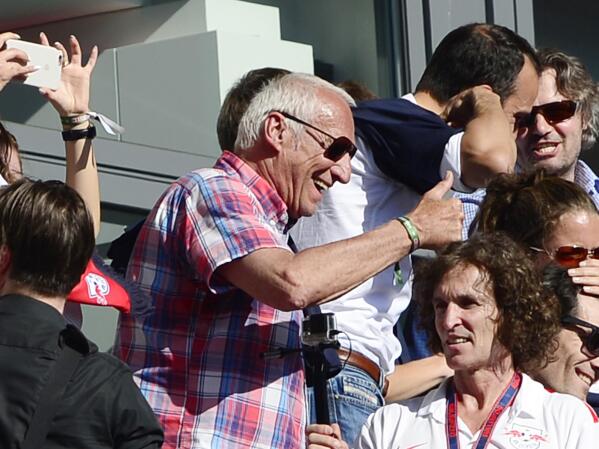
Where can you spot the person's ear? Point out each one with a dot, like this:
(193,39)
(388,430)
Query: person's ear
(276,131)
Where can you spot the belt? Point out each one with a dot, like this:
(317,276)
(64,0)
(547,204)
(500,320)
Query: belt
(358,360)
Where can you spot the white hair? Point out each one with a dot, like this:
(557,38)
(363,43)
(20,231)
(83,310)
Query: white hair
(295,93)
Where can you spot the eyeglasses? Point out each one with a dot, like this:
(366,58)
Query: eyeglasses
(553,113)
(339,146)
(590,341)
(570,256)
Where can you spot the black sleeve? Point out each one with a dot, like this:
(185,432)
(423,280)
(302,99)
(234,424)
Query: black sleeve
(407,141)
(134,425)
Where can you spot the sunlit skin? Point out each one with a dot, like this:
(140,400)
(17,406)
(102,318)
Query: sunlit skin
(555,148)
(300,173)
(573,369)
(522,99)
(466,320)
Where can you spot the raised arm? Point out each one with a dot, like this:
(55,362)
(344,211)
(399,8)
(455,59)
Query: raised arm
(71,99)
(488,145)
(290,281)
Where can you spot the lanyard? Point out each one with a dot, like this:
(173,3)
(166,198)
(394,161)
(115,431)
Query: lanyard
(504,401)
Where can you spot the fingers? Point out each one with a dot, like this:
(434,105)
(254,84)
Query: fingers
(322,436)
(437,192)
(6,36)
(93,57)
(587,275)
(14,55)
(75,50)
(44,39)
(65,55)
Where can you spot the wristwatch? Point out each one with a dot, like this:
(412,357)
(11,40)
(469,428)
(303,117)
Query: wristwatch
(78,134)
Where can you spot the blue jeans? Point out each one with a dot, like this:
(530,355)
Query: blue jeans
(353,396)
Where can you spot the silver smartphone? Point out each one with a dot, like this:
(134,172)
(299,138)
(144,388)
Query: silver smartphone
(47,60)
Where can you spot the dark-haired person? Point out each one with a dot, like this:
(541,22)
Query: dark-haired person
(575,363)
(46,240)
(483,305)
(557,220)
(480,79)
(563,122)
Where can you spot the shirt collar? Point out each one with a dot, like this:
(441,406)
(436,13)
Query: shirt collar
(585,178)
(435,402)
(527,403)
(273,205)
(37,311)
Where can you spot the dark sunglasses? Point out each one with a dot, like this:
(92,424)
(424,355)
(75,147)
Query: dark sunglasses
(339,147)
(590,341)
(553,113)
(570,256)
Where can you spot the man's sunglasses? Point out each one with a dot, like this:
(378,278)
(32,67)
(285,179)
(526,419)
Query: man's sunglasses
(339,147)
(553,113)
(590,341)
(570,256)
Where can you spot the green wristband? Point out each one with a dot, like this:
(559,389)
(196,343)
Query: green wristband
(412,232)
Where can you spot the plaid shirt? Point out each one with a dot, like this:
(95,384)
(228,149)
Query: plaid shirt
(197,357)
(583,176)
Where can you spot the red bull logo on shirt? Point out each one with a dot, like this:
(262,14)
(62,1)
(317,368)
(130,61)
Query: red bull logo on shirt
(524,437)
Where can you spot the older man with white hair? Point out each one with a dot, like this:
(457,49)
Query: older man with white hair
(226,287)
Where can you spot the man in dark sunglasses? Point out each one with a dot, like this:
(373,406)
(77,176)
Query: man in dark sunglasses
(563,122)
(574,366)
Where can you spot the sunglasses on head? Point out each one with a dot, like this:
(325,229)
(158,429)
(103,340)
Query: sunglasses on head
(570,256)
(339,147)
(553,113)
(590,341)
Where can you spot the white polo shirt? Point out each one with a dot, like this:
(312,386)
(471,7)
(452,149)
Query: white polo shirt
(368,312)
(537,419)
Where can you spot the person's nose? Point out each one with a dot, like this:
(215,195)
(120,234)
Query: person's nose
(341,171)
(540,126)
(451,316)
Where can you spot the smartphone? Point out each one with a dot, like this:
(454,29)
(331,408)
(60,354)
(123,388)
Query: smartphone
(48,60)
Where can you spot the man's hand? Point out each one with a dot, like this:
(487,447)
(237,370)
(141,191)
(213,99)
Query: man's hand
(470,103)
(438,220)
(322,436)
(72,95)
(13,62)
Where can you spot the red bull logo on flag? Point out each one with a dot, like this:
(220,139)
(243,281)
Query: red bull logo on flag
(97,288)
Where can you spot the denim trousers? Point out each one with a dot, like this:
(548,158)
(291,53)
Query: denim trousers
(353,396)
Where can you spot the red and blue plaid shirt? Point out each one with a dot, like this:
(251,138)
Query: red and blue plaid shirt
(197,357)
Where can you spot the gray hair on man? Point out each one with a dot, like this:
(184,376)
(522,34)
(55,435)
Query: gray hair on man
(297,94)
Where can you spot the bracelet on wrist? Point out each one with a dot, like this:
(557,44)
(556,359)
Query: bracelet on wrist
(74,119)
(78,134)
(412,232)
(82,125)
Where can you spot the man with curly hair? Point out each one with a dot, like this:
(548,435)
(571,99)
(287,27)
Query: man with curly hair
(484,307)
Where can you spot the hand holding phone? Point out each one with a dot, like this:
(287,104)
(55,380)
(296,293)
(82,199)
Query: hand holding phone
(13,62)
(47,62)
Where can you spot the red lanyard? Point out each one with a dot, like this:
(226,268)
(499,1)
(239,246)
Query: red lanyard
(503,402)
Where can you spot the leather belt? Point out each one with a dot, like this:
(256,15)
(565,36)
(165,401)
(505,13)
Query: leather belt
(358,360)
